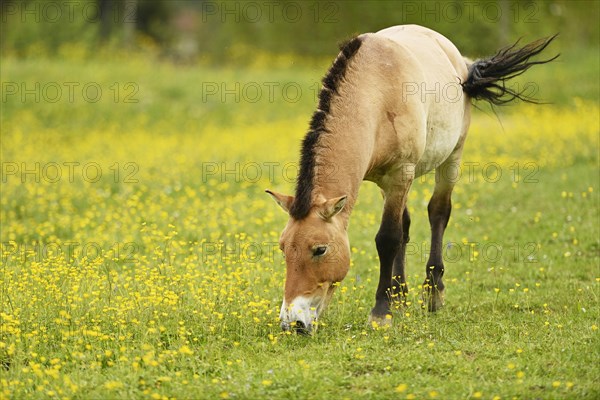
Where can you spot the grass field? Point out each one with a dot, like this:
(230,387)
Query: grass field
(140,260)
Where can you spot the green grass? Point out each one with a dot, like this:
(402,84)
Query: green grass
(173,318)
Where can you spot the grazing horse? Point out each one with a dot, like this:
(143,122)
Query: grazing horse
(394,105)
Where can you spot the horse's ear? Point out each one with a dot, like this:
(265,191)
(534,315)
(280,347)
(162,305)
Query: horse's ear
(284,201)
(332,207)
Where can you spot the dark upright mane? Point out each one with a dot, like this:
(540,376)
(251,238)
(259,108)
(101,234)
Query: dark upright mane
(331,81)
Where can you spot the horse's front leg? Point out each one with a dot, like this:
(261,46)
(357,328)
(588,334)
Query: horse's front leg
(389,241)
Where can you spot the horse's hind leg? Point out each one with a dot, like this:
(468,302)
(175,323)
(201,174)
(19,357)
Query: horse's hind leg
(439,209)
(399,287)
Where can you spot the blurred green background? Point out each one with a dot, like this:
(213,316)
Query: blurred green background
(170,49)
(210,30)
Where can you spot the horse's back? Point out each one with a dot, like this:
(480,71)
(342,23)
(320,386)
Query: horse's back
(428,71)
(428,45)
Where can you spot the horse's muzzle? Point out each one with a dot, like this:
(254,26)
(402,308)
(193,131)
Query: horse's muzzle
(300,315)
(296,327)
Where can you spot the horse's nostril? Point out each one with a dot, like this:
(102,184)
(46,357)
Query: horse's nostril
(296,327)
(301,328)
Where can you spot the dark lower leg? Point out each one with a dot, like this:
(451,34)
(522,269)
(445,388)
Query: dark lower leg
(399,287)
(388,245)
(390,241)
(439,213)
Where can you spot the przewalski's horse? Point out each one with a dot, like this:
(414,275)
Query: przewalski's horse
(394,105)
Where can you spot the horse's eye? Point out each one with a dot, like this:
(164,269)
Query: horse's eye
(319,251)
(282,249)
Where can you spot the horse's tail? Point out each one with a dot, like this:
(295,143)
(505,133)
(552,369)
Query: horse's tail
(487,77)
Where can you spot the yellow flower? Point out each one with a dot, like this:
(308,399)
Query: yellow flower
(401,388)
(186,350)
(112,385)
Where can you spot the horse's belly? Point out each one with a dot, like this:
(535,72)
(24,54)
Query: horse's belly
(442,138)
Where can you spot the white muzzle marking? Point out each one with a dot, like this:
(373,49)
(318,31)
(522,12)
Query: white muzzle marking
(301,313)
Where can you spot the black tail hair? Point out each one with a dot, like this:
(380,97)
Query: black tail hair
(487,77)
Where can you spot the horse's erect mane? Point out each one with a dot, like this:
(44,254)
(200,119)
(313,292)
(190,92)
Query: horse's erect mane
(304,186)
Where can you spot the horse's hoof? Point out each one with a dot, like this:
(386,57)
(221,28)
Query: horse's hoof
(434,299)
(380,321)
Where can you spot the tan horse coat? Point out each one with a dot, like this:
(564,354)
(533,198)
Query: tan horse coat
(397,111)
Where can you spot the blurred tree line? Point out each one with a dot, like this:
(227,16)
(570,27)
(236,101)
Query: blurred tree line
(213,30)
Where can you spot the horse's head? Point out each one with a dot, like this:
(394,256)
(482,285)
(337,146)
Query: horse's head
(317,256)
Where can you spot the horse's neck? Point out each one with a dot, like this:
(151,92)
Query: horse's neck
(342,161)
